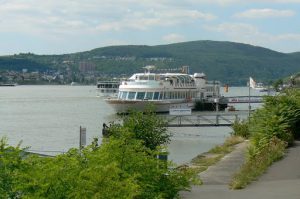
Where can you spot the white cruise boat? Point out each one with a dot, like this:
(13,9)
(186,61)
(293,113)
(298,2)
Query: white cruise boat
(163,91)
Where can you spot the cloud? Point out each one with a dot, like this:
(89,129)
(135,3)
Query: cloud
(215,2)
(288,37)
(93,16)
(264,13)
(149,19)
(277,1)
(233,29)
(238,2)
(173,38)
(113,42)
(247,33)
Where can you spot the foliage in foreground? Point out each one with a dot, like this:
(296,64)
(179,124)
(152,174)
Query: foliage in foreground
(147,127)
(271,128)
(258,163)
(241,128)
(122,167)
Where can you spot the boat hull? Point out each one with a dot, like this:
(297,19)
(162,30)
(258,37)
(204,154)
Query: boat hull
(123,106)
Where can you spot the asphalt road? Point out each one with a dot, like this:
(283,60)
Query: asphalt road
(281,181)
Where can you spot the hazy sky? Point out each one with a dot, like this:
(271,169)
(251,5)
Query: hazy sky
(65,26)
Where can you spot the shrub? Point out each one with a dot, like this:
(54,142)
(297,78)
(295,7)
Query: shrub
(241,128)
(272,128)
(258,161)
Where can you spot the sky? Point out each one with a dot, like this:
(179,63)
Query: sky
(67,26)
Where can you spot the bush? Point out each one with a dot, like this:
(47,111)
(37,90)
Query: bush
(258,161)
(272,128)
(241,128)
(124,166)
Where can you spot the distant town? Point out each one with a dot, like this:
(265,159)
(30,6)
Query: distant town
(85,75)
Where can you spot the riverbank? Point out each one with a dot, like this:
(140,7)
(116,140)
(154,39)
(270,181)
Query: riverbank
(282,179)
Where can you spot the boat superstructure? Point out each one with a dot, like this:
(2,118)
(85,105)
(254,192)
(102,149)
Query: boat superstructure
(108,88)
(163,91)
(257,86)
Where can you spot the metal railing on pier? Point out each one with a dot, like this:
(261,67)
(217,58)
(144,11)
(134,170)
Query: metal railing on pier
(245,99)
(216,119)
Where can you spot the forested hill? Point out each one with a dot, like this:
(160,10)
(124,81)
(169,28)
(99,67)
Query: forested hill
(228,62)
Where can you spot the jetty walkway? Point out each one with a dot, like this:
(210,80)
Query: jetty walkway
(282,179)
(213,119)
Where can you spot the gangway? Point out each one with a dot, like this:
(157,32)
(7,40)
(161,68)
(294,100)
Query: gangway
(245,99)
(215,119)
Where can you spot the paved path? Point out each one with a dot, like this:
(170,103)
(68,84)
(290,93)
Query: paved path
(281,181)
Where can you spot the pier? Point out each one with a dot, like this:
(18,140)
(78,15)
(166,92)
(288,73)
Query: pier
(214,119)
(245,99)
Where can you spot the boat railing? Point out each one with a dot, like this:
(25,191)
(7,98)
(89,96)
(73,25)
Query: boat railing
(146,82)
(211,83)
(184,85)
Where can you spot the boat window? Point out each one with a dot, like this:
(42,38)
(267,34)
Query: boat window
(143,77)
(124,95)
(171,95)
(156,95)
(167,95)
(140,95)
(131,95)
(161,96)
(151,77)
(149,95)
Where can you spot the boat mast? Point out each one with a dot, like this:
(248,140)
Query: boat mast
(148,69)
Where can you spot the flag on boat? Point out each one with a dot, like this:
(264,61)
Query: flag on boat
(252,83)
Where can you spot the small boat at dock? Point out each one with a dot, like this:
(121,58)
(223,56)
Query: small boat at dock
(257,86)
(8,84)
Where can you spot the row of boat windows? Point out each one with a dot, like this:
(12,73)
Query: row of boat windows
(108,85)
(156,95)
(108,90)
(176,78)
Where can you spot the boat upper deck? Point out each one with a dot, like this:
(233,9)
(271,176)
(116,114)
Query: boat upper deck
(153,80)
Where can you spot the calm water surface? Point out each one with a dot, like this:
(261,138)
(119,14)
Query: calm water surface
(47,118)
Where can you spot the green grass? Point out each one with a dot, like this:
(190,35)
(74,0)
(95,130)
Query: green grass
(203,161)
(258,163)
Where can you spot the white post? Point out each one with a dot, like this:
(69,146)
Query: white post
(217,120)
(249,104)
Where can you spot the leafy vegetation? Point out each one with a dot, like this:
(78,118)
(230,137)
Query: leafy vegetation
(124,166)
(241,128)
(148,127)
(292,81)
(258,162)
(271,128)
(232,63)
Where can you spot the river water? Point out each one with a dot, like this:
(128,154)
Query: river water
(47,119)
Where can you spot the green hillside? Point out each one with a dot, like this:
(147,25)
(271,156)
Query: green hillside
(228,62)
